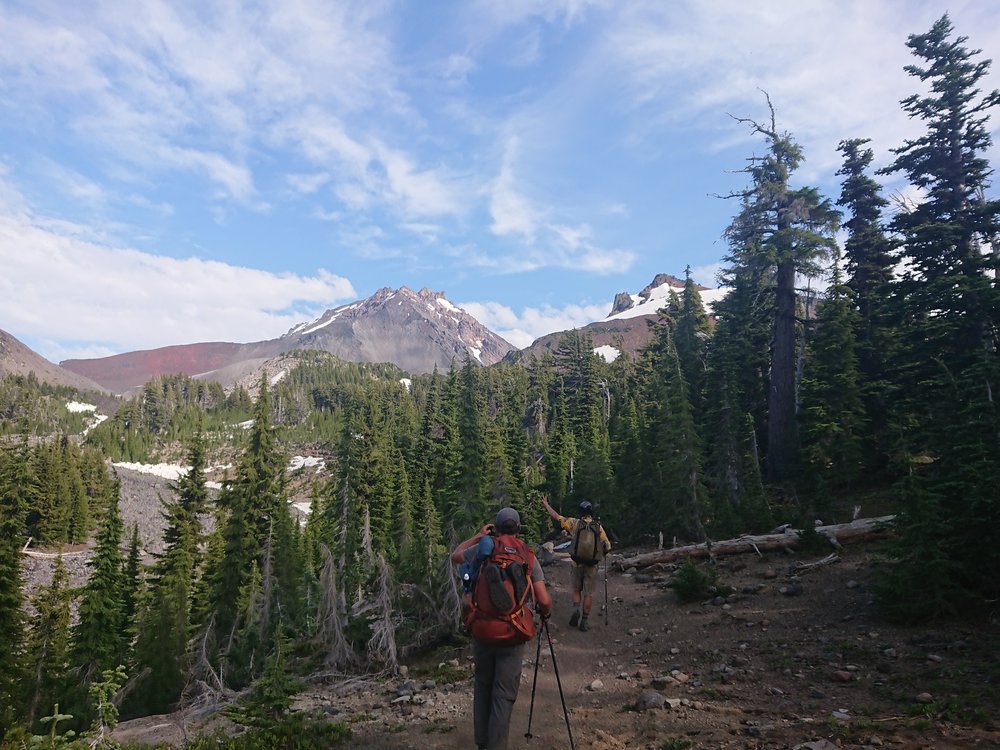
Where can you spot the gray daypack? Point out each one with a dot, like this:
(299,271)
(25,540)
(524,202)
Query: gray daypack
(587,547)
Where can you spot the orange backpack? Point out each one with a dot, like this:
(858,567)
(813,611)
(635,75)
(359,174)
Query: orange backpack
(496,611)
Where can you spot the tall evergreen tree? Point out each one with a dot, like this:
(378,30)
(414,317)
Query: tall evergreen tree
(16,483)
(165,621)
(947,367)
(48,646)
(832,414)
(784,230)
(98,637)
(691,340)
(870,260)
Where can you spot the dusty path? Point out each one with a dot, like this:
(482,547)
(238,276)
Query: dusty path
(788,661)
(785,662)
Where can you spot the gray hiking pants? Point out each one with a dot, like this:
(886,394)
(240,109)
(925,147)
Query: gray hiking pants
(498,677)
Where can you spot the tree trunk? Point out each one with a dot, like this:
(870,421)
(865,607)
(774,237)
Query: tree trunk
(838,534)
(781,392)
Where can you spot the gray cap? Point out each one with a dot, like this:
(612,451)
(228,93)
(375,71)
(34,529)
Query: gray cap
(506,517)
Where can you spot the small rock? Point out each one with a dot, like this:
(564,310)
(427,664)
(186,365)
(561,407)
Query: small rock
(934,658)
(649,699)
(407,687)
(403,670)
(596,685)
(453,663)
(840,714)
(925,698)
(816,745)
(841,676)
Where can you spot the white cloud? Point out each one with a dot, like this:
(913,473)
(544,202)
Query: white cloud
(512,213)
(707,275)
(825,65)
(59,284)
(521,329)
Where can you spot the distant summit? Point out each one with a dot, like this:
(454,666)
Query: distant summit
(627,325)
(416,331)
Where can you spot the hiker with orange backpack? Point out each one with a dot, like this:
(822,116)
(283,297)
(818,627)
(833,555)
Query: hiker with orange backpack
(505,589)
(588,547)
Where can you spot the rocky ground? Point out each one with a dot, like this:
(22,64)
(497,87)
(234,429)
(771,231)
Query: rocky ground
(790,660)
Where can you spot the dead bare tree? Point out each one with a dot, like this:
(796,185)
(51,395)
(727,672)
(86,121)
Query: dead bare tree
(329,622)
(382,644)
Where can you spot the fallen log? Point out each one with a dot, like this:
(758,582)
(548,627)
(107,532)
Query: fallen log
(838,534)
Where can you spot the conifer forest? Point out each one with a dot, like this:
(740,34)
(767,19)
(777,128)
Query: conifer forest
(854,361)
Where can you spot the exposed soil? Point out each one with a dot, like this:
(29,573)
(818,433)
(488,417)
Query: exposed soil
(813,667)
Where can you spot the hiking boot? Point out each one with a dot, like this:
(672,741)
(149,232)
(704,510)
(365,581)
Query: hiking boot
(574,619)
(583,624)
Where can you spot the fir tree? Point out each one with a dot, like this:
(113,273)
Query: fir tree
(98,642)
(947,365)
(16,481)
(870,259)
(165,622)
(832,414)
(784,231)
(48,646)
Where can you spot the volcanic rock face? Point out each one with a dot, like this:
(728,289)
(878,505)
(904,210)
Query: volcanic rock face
(414,330)
(623,301)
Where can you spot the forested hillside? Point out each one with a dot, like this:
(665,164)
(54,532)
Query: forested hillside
(782,408)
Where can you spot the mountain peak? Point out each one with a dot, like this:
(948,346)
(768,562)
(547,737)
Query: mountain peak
(417,331)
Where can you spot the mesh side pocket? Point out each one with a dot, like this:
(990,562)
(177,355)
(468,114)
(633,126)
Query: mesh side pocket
(499,595)
(517,577)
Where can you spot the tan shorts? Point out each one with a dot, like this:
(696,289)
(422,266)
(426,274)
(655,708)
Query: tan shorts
(583,578)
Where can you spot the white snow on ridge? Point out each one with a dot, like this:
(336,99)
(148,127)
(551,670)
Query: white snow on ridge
(76,407)
(447,305)
(477,353)
(660,296)
(608,352)
(319,325)
(406,383)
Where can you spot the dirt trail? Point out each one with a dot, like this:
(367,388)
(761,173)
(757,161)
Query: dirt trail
(785,662)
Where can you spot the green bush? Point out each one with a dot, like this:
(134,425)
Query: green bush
(693,584)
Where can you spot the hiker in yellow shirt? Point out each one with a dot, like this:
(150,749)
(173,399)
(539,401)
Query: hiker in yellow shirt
(589,546)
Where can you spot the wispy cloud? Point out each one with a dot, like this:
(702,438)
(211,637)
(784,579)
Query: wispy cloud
(55,279)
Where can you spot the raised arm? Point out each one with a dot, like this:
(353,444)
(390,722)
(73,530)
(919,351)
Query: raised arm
(458,555)
(550,509)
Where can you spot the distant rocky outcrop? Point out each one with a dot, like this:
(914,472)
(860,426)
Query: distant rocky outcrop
(628,326)
(417,331)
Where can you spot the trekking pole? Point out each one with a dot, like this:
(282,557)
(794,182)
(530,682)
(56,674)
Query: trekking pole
(605,592)
(562,697)
(534,682)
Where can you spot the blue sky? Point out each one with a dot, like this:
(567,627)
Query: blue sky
(205,171)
